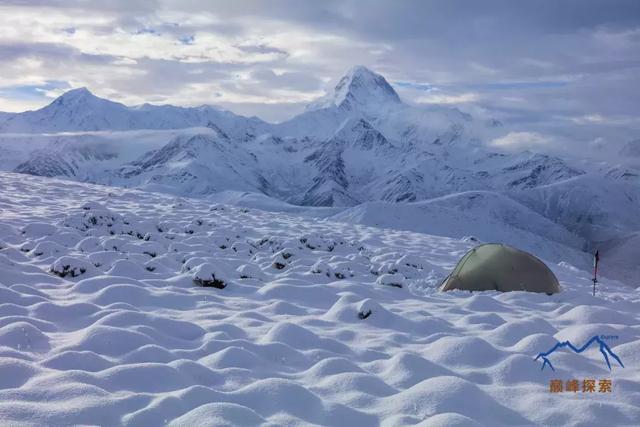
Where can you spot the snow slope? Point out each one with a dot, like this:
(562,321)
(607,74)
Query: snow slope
(102,322)
(480,215)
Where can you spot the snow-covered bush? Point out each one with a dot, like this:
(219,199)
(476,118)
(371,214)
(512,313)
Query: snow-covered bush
(317,242)
(395,280)
(104,258)
(94,218)
(70,266)
(221,242)
(27,246)
(366,308)
(94,206)
(242,248)
(48,248)
(190,263)
(151,249)
(321,267)
(250,271)
(88,244)
(342,269)
(211,275)
(282,258)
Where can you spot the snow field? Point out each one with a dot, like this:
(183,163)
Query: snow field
(104,319)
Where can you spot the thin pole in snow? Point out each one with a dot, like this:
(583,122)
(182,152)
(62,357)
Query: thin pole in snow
(596,259)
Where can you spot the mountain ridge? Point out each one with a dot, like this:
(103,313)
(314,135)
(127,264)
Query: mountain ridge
(364,145)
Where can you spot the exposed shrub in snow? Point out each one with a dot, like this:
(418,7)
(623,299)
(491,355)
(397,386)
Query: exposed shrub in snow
(317,242)
(278,265)
(100,221)
(410,261)
(94,219)
(321,267)
(70,266)
(114,244)
(221,242)
(210,275)
(151,249)
(161,264)
(365,309)
(385,268)
(282,259)
(341,269)
(409,266)
(88,244)
(92,205)
(27,246)
(192,262)
(242,248)
(250,271)
(364,314)
(104,258)
(395,280)
(48,248)
(286,253)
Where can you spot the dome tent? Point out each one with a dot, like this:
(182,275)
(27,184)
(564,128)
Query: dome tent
(498,267)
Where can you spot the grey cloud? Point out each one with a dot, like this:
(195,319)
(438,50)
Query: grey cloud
(561,58)
(287,80)
(50,53)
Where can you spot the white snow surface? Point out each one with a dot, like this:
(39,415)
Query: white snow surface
(129,339)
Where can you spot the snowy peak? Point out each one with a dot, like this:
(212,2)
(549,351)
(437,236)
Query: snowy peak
(80,98)
(75,110)
(74,95)
(360,87)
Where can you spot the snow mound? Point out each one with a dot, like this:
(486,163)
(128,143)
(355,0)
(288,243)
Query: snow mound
(70,266)
(106,317)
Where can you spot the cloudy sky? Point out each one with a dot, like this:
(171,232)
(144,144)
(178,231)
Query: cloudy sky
(558,71)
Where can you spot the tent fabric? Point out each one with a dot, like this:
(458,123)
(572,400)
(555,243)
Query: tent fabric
(498,267)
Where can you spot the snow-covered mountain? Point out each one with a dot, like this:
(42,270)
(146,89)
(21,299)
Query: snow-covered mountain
(359,144)
(79,110)
(194,164)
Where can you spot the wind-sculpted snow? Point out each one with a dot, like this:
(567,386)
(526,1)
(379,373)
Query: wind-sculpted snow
(122,307)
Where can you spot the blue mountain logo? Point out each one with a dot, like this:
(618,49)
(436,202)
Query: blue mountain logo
(604,349)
